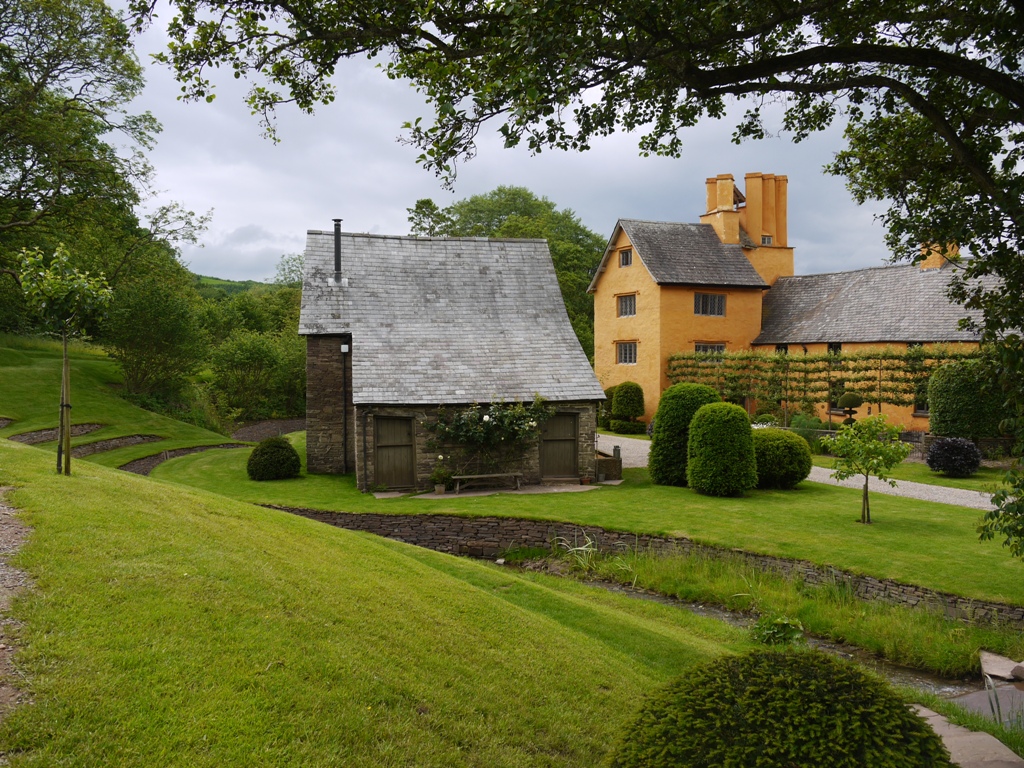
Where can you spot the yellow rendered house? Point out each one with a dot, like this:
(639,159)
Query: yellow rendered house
(727,284)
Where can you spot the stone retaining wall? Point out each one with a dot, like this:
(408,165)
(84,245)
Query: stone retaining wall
(489,536)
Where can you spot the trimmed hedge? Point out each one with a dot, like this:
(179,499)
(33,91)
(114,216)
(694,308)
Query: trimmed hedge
(273,459)
(953,457)
(666,461)
(628,402)
(783,458)
(964,401)
(604,410)
(720,455)
(621,427)
(778,708)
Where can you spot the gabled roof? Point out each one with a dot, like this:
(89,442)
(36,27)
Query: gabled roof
(881,304)
(684,254)
(446,320)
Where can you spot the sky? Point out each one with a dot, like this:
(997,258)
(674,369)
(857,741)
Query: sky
(345,161)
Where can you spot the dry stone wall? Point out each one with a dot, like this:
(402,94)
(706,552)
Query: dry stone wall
(489,536)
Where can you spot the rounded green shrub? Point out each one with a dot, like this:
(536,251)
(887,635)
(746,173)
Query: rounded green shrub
(628,401)
(964,401)
(620,427)
(604,410)
(273,459)
(666,461)
(783,458)
(953,457)
(850,400)
(778,709)
(720,454)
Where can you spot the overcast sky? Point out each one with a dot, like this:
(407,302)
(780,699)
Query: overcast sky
(345,161)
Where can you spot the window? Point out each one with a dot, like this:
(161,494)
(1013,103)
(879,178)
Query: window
(921,384)
(626,352)
(709,349)
(627,305)
(782,349)
(835,348)
(709,304)
(626,258)
(766,239)
(837,385)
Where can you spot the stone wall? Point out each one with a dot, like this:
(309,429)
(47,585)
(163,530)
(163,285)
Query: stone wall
(425,457)
(489,536)
(328,373)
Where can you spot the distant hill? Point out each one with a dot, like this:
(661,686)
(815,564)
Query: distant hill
(211,287)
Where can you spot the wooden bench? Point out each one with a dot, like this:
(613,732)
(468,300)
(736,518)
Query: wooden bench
(461,479)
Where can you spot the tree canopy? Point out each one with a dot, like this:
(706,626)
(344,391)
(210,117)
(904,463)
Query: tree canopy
(516,212)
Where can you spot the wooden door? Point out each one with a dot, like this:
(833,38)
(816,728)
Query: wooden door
(558,446)
(394,461)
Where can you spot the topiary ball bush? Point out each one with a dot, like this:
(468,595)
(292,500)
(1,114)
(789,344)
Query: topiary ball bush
(778,709)
(783,458)
(850,400)
(666,461)
(720,454)
(621,427)
(628,401)
(953,457)
(273,459)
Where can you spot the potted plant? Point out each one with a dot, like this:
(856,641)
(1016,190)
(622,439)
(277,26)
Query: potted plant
(440,476)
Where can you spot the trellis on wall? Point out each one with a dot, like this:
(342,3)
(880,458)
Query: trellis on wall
(887,376)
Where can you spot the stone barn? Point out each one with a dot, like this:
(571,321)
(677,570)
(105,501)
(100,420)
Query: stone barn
(399,327)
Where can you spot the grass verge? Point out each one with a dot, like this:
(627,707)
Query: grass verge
(928,544)
(170,626)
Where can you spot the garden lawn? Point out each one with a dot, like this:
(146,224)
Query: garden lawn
(928,544)
(985,480)
(174,627)
(30,394)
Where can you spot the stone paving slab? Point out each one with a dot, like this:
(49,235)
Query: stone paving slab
(970,749)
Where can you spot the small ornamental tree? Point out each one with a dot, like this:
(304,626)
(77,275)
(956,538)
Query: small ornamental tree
(65,300)
(666,461)
(867,447)
(490,439)
(720,453)
(627,406)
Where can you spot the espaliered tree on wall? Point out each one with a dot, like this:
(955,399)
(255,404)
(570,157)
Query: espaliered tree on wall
(887,376)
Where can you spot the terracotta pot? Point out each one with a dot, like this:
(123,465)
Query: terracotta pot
(438,488)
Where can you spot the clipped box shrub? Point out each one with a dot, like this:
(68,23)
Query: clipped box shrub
(670,434)
(621,427)
(628,401)
(604,410)
(953,457)
(720,454)
(273,459)
(783,458)
(964,401)
(791,707)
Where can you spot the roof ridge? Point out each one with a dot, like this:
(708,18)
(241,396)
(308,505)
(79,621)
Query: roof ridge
(415,238)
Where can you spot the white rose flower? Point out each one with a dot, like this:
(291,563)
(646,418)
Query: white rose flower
(486,417)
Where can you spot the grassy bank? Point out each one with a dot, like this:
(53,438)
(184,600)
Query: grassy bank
(30,395)
(171,626)
(932,545)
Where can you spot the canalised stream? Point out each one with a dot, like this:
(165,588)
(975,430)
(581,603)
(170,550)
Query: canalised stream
(897,675)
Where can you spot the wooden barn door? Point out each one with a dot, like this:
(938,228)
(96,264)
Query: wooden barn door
(394,461)
(558,446)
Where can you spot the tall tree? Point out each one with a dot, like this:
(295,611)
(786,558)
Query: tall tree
(517,212)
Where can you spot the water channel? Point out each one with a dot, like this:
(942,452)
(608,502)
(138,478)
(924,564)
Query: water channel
(896,674)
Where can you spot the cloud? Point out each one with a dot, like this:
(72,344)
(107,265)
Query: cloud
(344,161)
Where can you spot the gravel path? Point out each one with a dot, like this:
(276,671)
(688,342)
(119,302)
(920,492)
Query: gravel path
(634,454)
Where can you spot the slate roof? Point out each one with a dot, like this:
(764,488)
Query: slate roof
(684,254)
(446,320)
(881,304)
